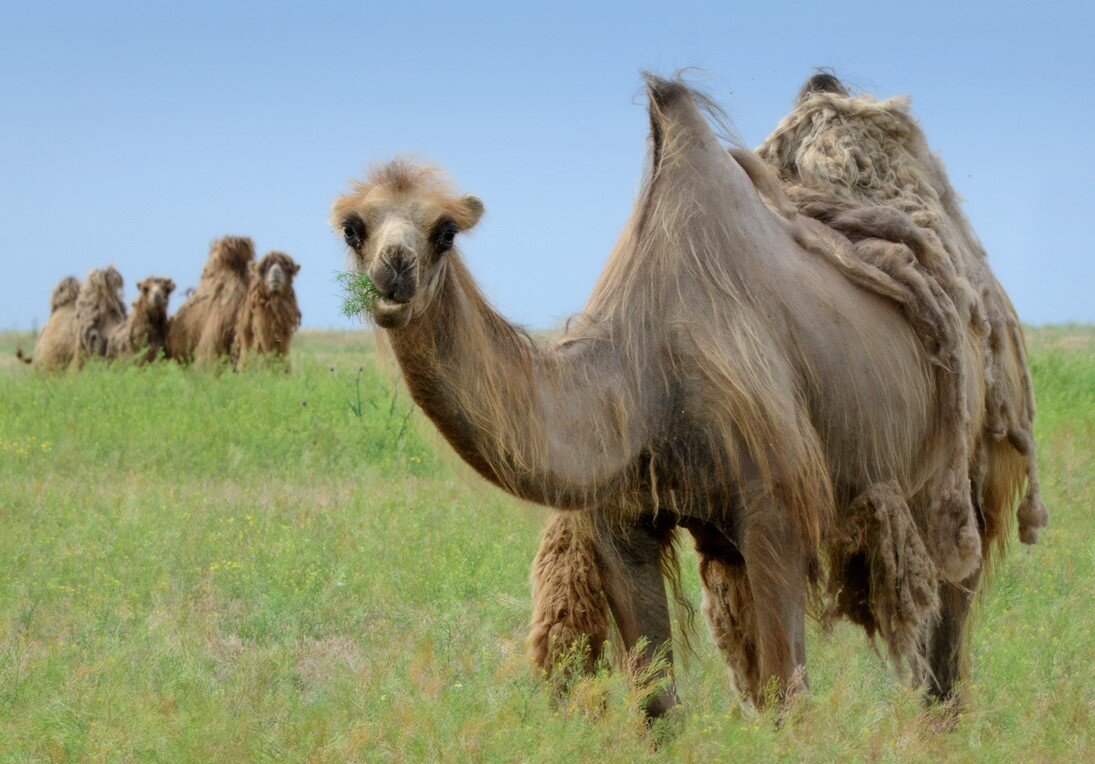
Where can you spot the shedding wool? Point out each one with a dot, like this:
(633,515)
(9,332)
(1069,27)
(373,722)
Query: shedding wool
(892,223)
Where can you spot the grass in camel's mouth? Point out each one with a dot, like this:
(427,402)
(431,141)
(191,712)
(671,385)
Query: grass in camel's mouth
(359,294)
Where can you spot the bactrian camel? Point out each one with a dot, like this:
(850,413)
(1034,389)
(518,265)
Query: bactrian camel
(735,374)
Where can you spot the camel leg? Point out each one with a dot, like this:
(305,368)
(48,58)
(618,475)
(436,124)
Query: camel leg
(728,605)
(635,590)
(945,648)
(568,605)
(776,567)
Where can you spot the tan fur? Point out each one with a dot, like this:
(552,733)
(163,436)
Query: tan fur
(776,386)
(203,329)
(268,318)
(56,342)
(144,332)
(568,604)
(99,311)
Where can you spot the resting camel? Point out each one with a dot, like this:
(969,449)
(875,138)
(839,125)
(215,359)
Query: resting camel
(99,312)
(204,327)
(144,332)
(57,340)
(270,314)
(728,377)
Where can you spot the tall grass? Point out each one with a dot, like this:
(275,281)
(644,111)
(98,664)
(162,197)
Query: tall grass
(203,565)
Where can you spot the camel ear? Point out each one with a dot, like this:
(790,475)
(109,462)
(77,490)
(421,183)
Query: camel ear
(471,210)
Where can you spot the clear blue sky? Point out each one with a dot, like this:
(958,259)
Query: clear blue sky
(135,133)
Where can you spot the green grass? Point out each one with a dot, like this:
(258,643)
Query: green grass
(265,565)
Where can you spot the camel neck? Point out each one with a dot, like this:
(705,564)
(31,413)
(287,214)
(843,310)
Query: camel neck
(539,422)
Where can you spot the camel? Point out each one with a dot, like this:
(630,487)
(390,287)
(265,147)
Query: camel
(57,340)
(144,332)
(203,328)
(728,378)
(270,314)
(99,312)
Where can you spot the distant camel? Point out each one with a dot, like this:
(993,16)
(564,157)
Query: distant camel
(144,331)
(203,329)
(99,311)
(270,315)
(57,340)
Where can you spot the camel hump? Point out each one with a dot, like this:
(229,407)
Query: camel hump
(821,82)
(680,113)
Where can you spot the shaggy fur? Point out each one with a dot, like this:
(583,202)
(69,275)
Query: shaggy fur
(57,340)
(144,332)
(568,606)
(862,166)
(203,329)
(99,312)
(730,376)
(270,314)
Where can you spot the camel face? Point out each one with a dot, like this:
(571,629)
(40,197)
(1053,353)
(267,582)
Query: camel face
(156,291)
(276,270)
(276,278)
(400,226)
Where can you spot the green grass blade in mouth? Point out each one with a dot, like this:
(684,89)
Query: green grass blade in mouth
(359,294)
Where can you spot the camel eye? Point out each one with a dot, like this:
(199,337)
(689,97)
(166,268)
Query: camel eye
(353,231)
(446,234)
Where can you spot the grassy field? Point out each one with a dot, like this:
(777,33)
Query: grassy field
(261,565)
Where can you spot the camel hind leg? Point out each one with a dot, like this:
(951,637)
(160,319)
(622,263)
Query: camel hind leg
(944,662)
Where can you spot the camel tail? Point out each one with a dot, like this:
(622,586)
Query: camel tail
(23,357)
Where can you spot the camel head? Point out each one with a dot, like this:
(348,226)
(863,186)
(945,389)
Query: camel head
(155,291)
(400,225)
(275,271)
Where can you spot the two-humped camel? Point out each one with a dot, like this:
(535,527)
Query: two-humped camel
(728,376)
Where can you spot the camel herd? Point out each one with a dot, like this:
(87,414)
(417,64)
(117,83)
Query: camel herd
(799,357)
(241,308)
